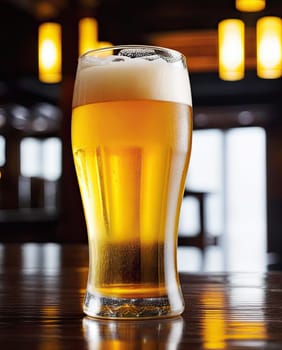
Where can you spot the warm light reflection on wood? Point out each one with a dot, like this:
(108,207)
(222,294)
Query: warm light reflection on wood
(49,52)
(220,327)
(50,312)
(41,309)
(246,330)
(213,320)
(130,335)
(269,47)
(231,36)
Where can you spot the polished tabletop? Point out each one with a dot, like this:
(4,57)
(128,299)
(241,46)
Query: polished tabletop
(42,288)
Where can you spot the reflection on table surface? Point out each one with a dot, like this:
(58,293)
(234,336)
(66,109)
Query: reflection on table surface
(42,288)
(126,335)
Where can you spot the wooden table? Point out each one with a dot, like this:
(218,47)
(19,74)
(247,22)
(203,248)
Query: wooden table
(42,288)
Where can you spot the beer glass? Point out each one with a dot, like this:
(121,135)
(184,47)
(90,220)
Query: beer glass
(131,141)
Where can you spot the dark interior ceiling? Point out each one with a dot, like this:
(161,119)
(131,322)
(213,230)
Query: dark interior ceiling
(121,22)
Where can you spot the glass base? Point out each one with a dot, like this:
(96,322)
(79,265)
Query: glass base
(127,308)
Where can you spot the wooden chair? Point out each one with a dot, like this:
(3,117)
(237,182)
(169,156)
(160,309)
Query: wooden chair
(202,239)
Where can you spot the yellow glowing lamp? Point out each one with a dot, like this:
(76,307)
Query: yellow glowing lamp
(88,34)
(269,47)
(231,37)
(250,5)
(103,44)
(49,52)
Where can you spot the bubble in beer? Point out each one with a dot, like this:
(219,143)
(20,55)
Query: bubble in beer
(151,58)
(90,61)
(118,59)
(135,53)
(140,54)
(151,54)
(168,56)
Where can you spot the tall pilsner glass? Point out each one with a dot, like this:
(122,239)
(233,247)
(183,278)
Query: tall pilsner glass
(131,140)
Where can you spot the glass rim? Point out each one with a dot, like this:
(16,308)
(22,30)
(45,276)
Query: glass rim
(179,55)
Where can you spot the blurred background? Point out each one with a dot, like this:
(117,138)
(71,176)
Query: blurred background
(231,217)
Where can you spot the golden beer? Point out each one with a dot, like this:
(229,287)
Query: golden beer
(131,154)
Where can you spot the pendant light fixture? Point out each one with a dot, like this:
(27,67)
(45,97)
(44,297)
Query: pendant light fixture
(49,52)
(269,47)
(231,36)
(250,5)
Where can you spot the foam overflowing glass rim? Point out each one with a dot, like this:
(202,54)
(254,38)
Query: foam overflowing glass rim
(131,72)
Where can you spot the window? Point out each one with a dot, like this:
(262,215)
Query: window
(230,167)
(41,168)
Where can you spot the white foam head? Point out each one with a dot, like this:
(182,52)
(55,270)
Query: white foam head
(111,78)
